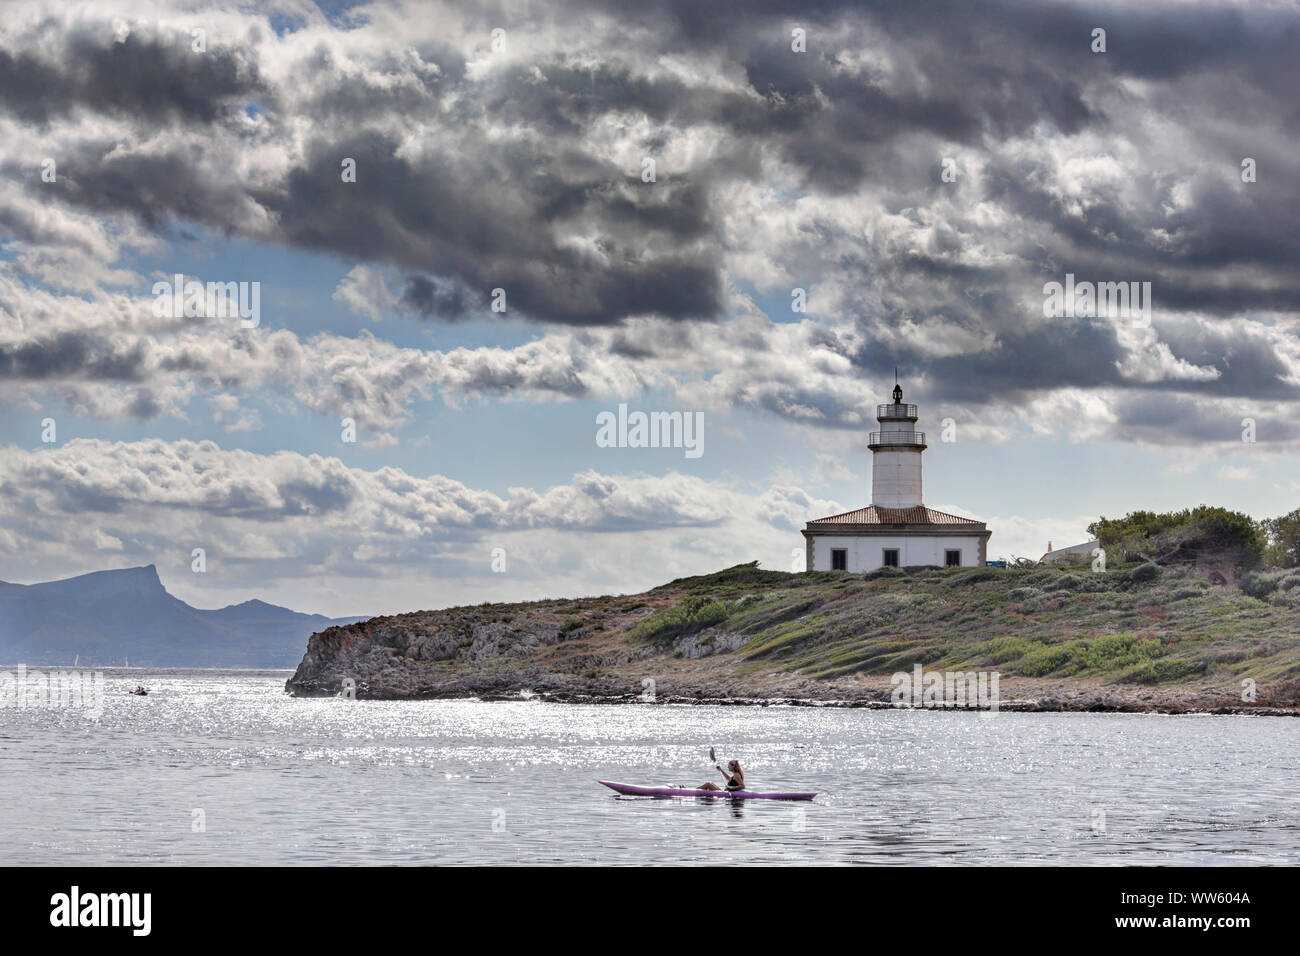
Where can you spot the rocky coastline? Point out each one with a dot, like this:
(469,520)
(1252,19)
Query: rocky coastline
(748,637)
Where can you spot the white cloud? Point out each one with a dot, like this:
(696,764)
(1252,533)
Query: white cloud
(364,292)
(276,524)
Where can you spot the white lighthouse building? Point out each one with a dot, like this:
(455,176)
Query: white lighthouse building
(896,529)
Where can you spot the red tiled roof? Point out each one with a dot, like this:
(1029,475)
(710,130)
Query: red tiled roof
(873,515)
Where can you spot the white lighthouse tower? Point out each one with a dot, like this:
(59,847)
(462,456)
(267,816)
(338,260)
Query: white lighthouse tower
(896,450)
(896,529)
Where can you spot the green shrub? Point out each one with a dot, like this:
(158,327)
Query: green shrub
(1144,572)
(1104,654)
(693,614)
(885,573)
(1283,539)
(1044,659)
(739,575)
(1156,672)
(1288,599)
(1181,535)
(975,576)
(1111,651)
(1260,584)
(1003,649)
(1219,658)
(1067,582)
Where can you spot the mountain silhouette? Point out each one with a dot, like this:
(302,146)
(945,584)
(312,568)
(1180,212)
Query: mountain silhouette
(107,617)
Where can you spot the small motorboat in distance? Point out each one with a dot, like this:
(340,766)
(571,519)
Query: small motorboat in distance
(632,790)
(139,691)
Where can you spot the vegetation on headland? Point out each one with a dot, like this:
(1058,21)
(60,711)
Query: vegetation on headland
(693,614)
(1140,623)
(1283,536)
(1185,604)
(1190,534)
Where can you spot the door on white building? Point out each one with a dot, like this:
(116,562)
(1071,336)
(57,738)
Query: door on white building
(952,557)
(890,558)
(839,559)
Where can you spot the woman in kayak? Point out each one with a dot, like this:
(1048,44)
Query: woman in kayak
(734,776)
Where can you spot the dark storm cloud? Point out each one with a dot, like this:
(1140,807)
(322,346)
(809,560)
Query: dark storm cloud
(428,298)
(1175,420)
(1071,353)
(484,214)
(1243,225)
(153,78)
(523,173)
(83,355)
(1077,353)
(457,213)
(159,187)
(1246,362)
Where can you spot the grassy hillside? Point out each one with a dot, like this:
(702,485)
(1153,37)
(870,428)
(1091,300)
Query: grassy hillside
(754,633)
(1139,623)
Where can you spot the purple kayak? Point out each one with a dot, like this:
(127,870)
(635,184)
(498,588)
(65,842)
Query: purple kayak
(632,790)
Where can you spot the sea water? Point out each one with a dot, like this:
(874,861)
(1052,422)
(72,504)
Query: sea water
(222,767)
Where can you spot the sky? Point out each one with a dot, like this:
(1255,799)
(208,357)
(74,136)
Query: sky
(475,227)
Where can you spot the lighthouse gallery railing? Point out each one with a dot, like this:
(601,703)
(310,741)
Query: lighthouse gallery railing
(895,438)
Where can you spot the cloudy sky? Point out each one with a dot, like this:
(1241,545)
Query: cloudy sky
(919,171)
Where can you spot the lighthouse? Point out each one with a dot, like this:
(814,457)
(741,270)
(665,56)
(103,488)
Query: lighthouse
(896,449)
(897,529)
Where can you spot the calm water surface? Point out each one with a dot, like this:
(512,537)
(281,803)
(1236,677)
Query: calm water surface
(285,781)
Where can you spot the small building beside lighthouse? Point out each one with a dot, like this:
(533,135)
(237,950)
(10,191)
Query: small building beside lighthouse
(896,529)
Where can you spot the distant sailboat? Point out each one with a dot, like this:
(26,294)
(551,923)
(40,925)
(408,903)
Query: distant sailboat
(76,660)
